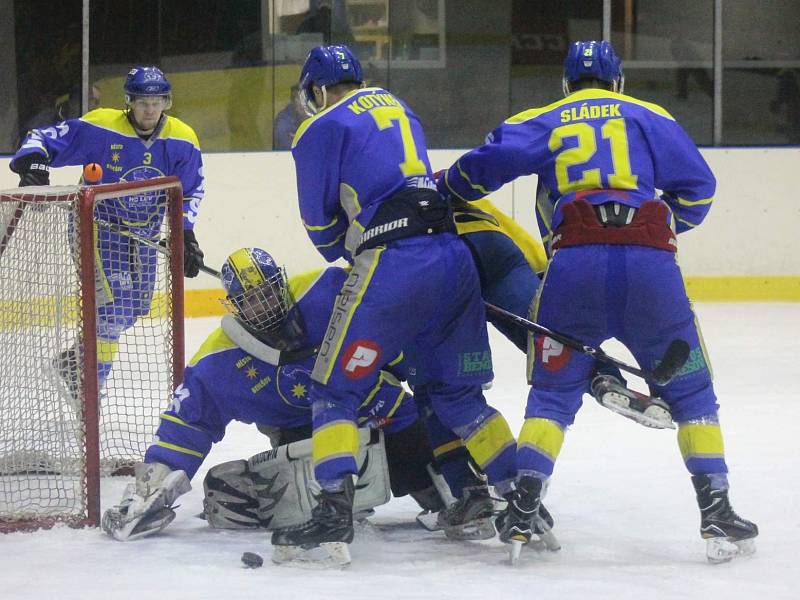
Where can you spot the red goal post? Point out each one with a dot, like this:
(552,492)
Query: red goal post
(74,264)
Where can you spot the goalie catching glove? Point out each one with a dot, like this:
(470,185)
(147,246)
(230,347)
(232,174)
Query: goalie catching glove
(147,505)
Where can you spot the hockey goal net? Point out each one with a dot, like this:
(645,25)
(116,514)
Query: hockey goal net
(91,340)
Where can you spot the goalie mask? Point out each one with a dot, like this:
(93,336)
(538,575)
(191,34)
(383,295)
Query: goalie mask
(325,66)
(593,60)
(258,297)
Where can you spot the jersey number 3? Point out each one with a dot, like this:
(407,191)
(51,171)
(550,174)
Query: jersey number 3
(612,130)
(387,116)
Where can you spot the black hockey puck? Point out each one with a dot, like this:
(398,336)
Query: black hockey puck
(252,560)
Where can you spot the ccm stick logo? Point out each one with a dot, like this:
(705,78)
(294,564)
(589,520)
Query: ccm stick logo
(553,354)
(360,358)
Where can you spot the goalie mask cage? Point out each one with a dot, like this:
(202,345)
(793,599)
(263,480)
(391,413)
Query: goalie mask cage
(71,270)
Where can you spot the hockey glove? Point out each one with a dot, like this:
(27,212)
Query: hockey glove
(146,506)
(33,169)
(192,255)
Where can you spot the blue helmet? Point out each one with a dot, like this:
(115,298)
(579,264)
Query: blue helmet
(324,66)
(147,81)
(593,60)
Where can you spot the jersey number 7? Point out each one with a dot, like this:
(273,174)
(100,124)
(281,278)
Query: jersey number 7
(387,116)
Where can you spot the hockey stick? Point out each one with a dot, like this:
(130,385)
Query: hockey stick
(160,245)
(674,358)
(157,244)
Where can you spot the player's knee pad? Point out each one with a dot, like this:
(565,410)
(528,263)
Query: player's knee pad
(270,490)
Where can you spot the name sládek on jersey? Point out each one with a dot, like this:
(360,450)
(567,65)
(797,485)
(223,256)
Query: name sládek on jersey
(584,111)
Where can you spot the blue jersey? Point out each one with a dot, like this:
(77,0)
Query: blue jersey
(595,144)
(223,383)
(349,159)
(106,136)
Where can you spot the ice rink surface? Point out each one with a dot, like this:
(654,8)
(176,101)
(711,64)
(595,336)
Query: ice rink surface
(624,508)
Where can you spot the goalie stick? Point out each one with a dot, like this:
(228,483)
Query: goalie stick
(674,358)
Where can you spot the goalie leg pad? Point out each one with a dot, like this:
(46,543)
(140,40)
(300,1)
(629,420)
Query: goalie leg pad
(271,489)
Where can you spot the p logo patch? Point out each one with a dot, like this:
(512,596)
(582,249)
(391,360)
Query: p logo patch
(553,355)
(360,358)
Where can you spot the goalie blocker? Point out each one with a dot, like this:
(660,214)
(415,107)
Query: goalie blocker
(271,489)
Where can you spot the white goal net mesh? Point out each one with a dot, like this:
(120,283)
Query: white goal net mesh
(44,285)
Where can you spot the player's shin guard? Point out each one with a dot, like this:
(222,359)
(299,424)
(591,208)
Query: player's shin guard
(727,535)
(491,445)
(538,446)
(701,445)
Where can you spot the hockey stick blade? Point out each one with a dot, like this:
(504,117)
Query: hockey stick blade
(670,364)
(674,358)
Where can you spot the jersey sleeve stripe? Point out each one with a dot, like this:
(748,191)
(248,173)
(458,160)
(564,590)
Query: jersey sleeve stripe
(474,186)
(398,401)
(179,421)
(180,449)
(321,227)
(333,243)
(684,202)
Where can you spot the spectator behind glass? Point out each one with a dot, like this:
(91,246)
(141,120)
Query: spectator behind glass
(65,107)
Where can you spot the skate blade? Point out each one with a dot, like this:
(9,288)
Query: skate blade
(329,555)
(722,550)
(516,549)
(479,529)
(654,416)
(428,520)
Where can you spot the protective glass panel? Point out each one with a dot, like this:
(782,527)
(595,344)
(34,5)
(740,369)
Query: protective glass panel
(667,54)
(761,73)
(542,32)
(40,67)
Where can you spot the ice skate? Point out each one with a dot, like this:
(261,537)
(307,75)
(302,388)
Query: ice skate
(727,535)
(645,410)
(469,517)
(522,519)
(322,541)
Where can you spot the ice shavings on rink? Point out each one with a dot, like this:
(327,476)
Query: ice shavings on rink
(623,504)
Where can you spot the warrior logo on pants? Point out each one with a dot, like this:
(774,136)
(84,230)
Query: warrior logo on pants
(360,358)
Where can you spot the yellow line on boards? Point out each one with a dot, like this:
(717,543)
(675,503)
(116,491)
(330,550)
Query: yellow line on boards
(754,288)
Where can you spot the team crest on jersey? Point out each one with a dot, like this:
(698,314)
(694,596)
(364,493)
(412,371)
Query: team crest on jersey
(360,358)
(149,200)
(553,355)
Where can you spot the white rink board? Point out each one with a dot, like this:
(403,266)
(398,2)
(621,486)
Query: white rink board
(752,229)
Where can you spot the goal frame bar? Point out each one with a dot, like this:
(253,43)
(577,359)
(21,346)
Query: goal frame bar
(87,198)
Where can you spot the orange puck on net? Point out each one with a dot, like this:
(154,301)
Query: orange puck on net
(92,173)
